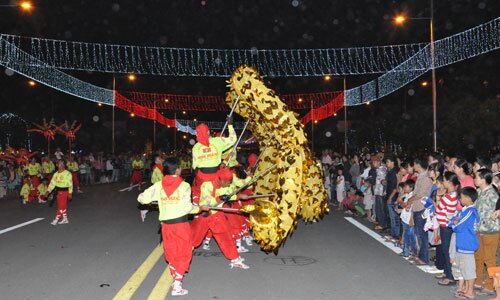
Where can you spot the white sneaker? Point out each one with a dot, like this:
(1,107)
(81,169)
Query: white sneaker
(238,263)
(54,222)
(248,240)
(80,191)
(433,270)
(64,221)
(24,201)
(206,246)
(242,249)
(143,214)
(177,289)
(40,200)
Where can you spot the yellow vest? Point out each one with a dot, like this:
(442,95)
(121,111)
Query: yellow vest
(173,207)
(72,166)
(137,164)
(34,169)
(48,167)
(62,179)
(211,156)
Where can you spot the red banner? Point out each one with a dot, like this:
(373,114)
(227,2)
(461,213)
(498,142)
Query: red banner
(178,102)
(325,111)
(141,111)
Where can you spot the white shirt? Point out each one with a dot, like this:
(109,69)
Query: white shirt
(59,154)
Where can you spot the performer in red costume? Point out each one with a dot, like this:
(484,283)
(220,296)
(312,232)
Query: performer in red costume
(215,220)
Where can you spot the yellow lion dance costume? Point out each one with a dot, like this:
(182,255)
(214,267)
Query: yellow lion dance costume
(297,180)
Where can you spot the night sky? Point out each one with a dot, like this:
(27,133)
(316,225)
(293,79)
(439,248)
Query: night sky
(240,24)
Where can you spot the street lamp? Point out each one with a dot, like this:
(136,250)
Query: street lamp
(31,83)
(399,20)
(26,6)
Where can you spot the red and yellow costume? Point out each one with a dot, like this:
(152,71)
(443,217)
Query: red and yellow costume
(34,170)
(214,221)
(28,192)
(137,166)
(48,169)
(174,203)
(62,182)
(73,168)
(157,173)
(207,156)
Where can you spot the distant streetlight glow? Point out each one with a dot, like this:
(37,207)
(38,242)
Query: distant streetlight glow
(132,115)
(26,6)
(166,100)
(99,104)
(424,83)
(32,83)
(131,77)
(328,78)
(183,112)
(368,103)
(300,100)
(315,121)
(399,19)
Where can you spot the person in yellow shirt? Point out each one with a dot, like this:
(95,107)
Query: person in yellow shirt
(74,168)
(156,176)
(42,190)
(137,166)
(215,220)
(173,196)
(26,192)
(34,171)
(62,184)
(48,168)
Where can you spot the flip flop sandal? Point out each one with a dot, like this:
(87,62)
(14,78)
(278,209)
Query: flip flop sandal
(477,287)
(484,292)
(463,296)
(444,282)
(440,276)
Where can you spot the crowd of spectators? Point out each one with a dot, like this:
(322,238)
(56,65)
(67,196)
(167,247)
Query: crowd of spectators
(445,204)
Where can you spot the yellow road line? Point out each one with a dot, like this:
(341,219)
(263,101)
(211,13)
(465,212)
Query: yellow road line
(160,291)
(133,283)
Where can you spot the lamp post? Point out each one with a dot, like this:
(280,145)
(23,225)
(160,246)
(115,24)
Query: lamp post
(400,20)
(131,78)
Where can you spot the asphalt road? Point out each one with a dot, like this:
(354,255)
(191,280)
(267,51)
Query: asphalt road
(105,242)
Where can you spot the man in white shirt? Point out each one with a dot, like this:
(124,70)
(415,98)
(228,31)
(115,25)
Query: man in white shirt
(59,155)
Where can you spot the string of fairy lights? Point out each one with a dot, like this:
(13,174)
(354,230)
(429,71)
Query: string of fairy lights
(42,66)
(109,58)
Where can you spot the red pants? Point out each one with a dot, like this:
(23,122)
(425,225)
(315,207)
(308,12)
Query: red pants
(48,177)
(76,182)
(235,221)
(62,204)
(217,223)
(35,181)
(202,177)
(136,177)
(178,247)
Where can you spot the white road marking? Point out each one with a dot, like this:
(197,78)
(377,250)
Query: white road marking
(379,238)
(374,235)
(131,187)
(20,225)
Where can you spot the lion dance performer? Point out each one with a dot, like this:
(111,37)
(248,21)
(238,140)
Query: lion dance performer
(73,168)
(215,220)
(156,176)
(62,183)
(173,195)
(48,168)
(137,166)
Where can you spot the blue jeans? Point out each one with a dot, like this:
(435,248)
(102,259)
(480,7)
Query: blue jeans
(443,251)
(380,211)
(422,236)
(410,240)
(395,221)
